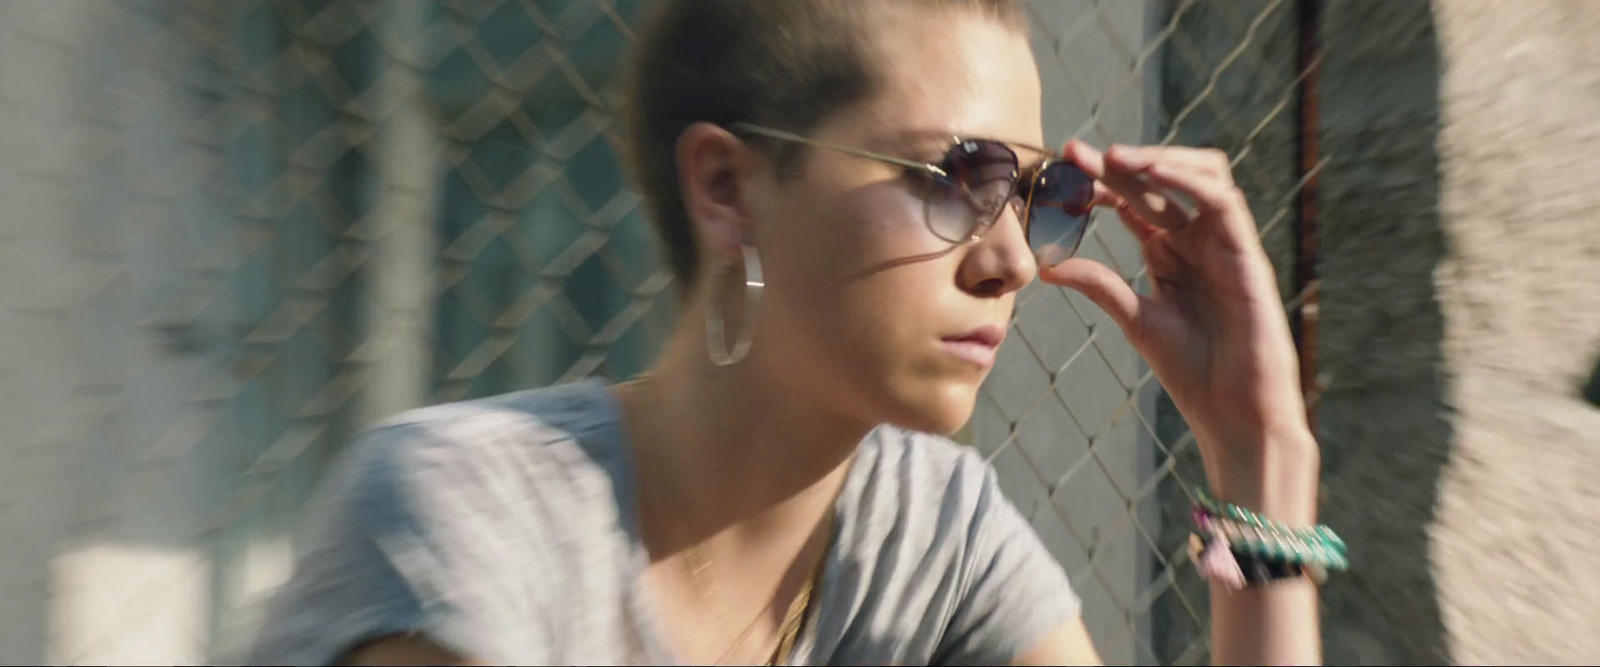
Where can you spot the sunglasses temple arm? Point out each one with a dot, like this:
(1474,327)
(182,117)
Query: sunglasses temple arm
(847,150)
(909,164)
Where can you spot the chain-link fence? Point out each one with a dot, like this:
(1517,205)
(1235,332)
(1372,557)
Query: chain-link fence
(1073,421)
(238,232)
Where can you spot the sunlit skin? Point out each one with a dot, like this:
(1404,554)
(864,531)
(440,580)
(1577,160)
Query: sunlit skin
(860,294)
(860,299)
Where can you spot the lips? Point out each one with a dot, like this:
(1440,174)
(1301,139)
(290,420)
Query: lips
(989,336)
(976,347)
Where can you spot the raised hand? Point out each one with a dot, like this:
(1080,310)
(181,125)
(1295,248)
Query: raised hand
(1213,328)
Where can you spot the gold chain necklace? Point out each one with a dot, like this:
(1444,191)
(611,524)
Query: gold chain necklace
(697,565)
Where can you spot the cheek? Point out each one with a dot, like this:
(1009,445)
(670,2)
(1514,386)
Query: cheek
(857,282)
(848,236)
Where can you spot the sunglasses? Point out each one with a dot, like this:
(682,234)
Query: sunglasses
(967,190)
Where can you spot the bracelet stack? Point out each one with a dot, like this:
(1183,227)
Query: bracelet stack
(1237,548)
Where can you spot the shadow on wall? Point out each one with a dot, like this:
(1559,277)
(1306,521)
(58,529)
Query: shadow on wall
(1591,392)
(1384,417)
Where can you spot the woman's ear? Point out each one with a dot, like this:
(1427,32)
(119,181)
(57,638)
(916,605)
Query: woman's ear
(712,165)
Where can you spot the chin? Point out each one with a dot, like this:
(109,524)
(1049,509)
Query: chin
(941,408)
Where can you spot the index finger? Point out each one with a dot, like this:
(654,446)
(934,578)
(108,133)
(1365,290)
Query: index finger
(1146,200)
(1088,158)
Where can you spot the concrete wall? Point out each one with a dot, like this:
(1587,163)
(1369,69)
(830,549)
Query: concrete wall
(1460,317)
(175,319)
(1384,419)
(100,498)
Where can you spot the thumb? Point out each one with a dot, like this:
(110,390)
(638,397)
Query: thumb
(1104,287)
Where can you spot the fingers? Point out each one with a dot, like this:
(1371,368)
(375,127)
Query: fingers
(1140,229)
(1146,203)
(1210,161)
(1104,196)
(1206,190)
(1203,174)
(1090,160)
(1104,287)
(1220,196)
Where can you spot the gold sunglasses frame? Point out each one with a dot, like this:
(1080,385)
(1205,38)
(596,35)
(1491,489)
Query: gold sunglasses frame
(978,230)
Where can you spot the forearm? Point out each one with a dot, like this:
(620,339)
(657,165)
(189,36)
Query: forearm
(1273,624)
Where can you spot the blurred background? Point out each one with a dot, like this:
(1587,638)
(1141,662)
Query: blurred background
(235,233)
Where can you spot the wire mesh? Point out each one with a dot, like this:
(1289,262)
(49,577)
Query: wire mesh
(245,230)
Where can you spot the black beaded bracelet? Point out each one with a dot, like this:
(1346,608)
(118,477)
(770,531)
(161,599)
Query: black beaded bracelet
(1242,567)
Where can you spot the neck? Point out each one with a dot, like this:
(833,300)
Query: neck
(729,449)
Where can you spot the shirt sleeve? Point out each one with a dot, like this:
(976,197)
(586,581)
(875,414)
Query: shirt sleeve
(389,549)
(1016,592)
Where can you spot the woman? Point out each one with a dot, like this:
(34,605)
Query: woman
(767,491)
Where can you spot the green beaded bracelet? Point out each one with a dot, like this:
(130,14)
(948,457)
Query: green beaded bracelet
(1318,534)
(1290,551)
(1257,536)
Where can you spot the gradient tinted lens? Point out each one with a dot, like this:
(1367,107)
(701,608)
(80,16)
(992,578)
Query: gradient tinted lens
(981,178)
(1058,213)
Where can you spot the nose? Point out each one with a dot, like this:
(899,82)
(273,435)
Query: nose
(1000,261)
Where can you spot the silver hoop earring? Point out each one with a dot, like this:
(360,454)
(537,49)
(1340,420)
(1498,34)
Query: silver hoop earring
(716,339)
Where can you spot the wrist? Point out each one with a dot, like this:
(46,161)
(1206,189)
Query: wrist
(1273,473)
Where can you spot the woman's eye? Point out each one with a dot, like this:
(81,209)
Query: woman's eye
(948,190)
(926,183)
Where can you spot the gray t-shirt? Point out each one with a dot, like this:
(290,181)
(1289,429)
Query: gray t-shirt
(505,529)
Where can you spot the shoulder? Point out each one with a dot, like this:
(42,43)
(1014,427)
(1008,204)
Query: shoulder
(448,520)
(560,427)
(471,470)
(533,417)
